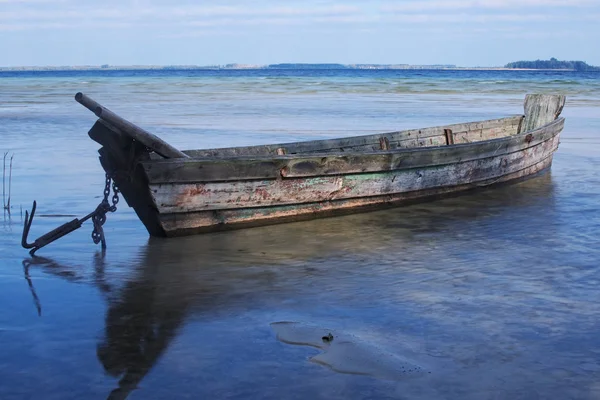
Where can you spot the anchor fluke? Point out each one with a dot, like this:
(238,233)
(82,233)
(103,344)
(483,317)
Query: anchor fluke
(49,237)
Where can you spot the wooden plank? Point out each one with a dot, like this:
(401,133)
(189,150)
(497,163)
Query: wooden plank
(141,135)
(479,135)
(290,166)
(210,221)
(429,141)
(541,109)
(181,198)
(355,142)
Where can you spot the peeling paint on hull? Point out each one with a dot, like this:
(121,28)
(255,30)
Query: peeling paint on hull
(210,221)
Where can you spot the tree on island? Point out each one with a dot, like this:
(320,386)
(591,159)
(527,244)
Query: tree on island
(553,63)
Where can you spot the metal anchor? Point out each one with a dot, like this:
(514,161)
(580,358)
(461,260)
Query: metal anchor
(98,217)
(57,233)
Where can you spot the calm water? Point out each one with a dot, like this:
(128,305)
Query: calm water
(495,293)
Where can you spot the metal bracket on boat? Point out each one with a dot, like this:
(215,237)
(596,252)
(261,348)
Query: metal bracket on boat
(98,217)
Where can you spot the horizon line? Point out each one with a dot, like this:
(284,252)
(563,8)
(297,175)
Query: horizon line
(243,66)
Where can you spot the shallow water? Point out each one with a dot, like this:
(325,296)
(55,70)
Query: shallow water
(494,292)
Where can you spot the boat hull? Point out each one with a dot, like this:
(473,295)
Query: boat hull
(279,201)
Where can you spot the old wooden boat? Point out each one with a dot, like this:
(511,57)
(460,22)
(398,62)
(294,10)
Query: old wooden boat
(178,193)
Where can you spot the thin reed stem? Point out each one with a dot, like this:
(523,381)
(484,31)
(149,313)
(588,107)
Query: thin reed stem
(10,181)
(3,180)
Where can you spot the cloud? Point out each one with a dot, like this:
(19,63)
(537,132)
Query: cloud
(17,17)
(433,5)
(125,11)
(75,20)
(20,15)
(22,2)
(468,18)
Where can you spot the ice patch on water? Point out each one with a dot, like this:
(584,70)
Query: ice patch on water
(346,353)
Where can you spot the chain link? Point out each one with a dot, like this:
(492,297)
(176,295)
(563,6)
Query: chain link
(107,188)
(115,197)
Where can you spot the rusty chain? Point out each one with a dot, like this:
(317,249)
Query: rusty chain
(99,217)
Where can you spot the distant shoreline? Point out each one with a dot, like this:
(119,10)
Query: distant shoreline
(262,67)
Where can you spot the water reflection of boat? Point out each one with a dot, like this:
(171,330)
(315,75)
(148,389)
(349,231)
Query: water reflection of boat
(138,329)
(171,281)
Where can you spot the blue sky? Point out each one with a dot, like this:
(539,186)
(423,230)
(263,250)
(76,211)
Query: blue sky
(183,32)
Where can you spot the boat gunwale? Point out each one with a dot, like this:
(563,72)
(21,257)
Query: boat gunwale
(284,157)
(245,168)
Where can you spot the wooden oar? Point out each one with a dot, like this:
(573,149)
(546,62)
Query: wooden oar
(141,135)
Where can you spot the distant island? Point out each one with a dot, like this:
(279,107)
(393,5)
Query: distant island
(553,63)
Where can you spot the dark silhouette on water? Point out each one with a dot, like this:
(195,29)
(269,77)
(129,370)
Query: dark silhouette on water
(136,331)
(136,335)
